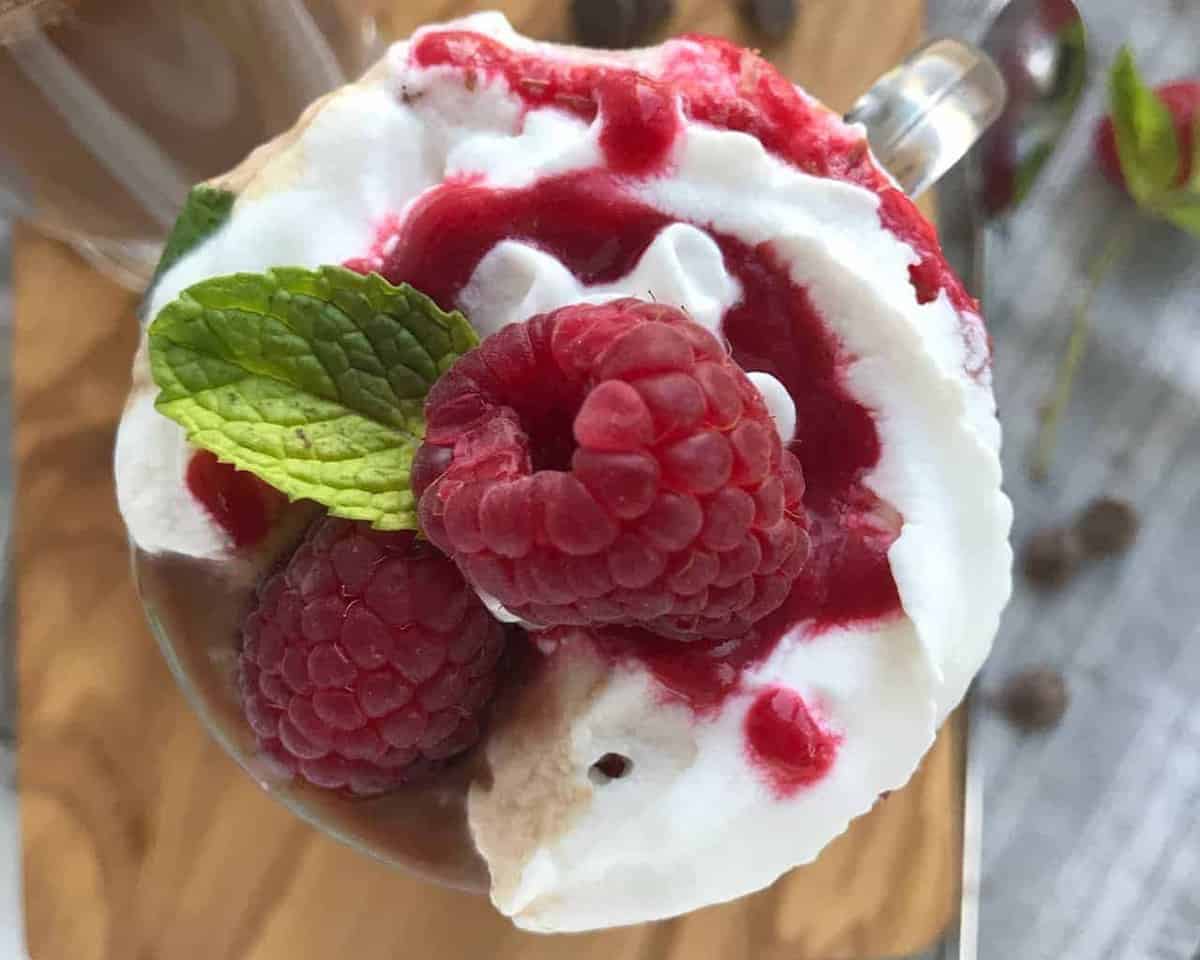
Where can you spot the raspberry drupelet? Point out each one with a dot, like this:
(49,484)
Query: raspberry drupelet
(611,464)
(367,660)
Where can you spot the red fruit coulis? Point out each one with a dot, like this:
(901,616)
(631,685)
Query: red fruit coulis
(591,221)
(241,504)
(789,747)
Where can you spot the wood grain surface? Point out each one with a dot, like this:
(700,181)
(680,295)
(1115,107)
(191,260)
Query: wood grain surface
(142,840)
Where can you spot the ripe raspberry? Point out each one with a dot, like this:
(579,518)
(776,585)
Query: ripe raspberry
(367,660)
(611,464)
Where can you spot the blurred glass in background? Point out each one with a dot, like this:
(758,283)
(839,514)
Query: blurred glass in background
(111,109)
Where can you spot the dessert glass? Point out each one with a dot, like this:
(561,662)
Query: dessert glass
(921,117)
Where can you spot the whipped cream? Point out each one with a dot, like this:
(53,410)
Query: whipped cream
(692,822)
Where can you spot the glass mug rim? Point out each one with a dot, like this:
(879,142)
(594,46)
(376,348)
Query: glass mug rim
(941,76)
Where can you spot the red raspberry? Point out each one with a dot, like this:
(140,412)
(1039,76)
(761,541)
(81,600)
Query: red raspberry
(611,464)
(367,660)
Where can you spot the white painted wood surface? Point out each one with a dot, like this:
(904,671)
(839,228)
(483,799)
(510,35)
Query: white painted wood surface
(1092,832)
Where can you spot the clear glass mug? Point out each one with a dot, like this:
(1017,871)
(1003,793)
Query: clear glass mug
(921,118)
(111,109)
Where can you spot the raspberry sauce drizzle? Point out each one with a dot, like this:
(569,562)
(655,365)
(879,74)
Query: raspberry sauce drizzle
(640,117)
(590,223)
(717,83)
(241,504)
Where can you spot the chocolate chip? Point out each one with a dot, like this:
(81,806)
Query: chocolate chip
(616,23)
(1035,699)
(1051,557)
(1107,526)
(611,766)
(773,19)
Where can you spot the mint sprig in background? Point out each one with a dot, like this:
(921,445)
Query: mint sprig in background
(204,213)
(1152,160)
(313,380)
(1148,147)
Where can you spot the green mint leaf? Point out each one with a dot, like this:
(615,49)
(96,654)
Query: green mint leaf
(1146,143)
(204,212)
(314,380)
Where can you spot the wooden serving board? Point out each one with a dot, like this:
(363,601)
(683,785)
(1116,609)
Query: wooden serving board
(142,840)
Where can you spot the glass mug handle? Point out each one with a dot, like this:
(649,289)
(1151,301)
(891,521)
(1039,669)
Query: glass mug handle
(925,114)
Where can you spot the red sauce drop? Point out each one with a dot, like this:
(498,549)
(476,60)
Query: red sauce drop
(640,124)
(785,744)
(241,504)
